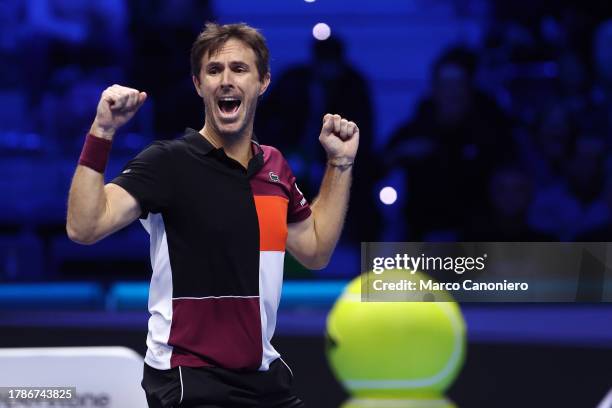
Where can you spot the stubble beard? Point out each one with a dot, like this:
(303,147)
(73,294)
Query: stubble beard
(228,137)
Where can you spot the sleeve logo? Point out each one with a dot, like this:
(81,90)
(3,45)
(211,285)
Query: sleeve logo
(274,177)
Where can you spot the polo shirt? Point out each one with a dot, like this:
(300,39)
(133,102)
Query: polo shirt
(217,236)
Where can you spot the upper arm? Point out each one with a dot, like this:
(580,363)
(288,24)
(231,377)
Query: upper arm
(302,242)
(147,180)
(121,209)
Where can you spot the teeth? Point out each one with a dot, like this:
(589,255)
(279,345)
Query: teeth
(229,99)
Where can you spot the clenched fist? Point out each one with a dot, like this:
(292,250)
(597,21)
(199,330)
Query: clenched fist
(340,139)
(116,107)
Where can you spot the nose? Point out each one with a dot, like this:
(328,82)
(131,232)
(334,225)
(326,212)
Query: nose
(227,79)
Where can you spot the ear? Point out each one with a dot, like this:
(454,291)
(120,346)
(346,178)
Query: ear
(264,84)
(196,84)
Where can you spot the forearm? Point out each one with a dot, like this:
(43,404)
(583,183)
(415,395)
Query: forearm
(329,209)
(87,201)
(86,205)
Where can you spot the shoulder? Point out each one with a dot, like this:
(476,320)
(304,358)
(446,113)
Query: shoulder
(274,158)
(165,148)
(155,151)
(276,166)
(271,152)
(180,143)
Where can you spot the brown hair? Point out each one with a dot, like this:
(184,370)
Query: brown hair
(212,38)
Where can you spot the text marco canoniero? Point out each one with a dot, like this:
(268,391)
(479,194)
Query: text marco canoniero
(431,285)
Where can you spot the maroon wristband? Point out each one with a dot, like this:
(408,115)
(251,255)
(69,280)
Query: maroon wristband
(95,153)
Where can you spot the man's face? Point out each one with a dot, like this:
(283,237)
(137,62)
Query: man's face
(510,193)
(229,84)
(452,94)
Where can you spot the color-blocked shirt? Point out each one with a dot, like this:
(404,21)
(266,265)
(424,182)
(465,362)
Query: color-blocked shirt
(217,235)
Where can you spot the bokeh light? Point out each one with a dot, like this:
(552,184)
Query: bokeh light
(321,31)
(388,195)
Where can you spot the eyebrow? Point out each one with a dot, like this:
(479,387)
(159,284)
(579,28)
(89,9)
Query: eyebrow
(231,63)
(213,64)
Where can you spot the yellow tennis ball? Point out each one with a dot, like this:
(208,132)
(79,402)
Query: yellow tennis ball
(395,349)
(397,403)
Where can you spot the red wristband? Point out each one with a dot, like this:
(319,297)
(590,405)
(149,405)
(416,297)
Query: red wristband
(95,153)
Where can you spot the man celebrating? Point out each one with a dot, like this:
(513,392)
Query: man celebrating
(220,209)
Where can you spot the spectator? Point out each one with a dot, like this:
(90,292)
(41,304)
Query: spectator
(603,232)
(550,147)
(505,220)
(456,138)
(574,204)
(602,91)
(573,82)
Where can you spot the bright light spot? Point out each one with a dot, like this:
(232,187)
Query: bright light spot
(321,31)
(388,195)
(309,1)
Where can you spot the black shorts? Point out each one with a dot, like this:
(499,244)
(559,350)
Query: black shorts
(212,387)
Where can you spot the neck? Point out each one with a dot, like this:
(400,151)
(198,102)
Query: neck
(237,146)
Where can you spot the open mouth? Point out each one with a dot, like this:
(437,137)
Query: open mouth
(229,105)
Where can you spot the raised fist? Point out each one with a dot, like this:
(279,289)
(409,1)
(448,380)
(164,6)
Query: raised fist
(116,107)
(340,139)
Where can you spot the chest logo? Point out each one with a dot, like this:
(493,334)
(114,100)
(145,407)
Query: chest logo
(274,177)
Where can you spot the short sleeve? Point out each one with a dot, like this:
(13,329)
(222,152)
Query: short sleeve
(298,209)
(147,178)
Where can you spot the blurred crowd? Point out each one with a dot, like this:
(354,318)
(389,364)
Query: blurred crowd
(511,142)
(59,54)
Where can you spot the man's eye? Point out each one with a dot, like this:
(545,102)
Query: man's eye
(213,70)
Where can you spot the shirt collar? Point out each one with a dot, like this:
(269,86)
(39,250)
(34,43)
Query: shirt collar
(203,146)
(199,142)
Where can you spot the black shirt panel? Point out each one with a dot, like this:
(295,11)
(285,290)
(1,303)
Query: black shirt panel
(208,211)
(149,178)
(219,218)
